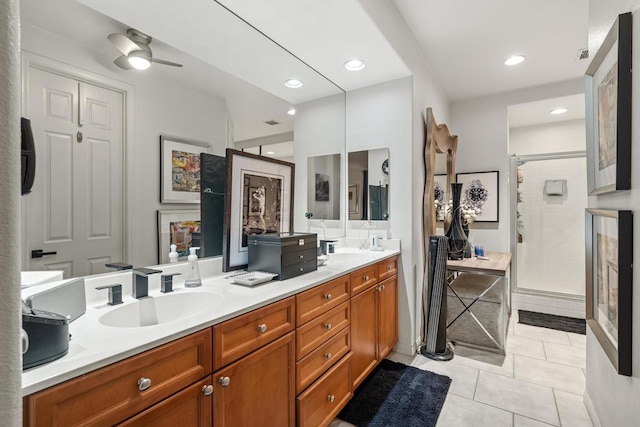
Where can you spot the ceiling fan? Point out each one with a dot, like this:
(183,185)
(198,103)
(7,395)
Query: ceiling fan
(135,49)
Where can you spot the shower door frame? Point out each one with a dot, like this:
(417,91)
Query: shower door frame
(513,215)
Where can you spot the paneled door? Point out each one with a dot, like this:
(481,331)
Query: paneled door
(75,210)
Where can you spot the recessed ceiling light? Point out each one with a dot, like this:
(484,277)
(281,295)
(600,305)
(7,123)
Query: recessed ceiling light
(293,83)
(270,152)
(354,64)
(558,111)
(292,112)
(514,60)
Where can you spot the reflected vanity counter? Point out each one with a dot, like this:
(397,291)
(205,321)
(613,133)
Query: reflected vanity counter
(478,304)
(99,338)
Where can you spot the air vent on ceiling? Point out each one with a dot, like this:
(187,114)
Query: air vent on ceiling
(582,54)
(272,122)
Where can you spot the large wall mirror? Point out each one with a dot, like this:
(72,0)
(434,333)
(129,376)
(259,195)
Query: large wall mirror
(230,92)
(368,189)
(324,186)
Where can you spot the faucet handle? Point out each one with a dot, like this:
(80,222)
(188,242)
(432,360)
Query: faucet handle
(119,265)
(166,282)
(143,271)
(115,293)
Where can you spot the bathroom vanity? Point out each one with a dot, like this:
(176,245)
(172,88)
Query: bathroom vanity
(283,353)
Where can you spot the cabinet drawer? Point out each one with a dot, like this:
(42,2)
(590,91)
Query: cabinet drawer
(322,358)
(111,394)
(248,332)
(316,331)
(299,256)
(387,268)
(363,279)
(321,402)
(315,301)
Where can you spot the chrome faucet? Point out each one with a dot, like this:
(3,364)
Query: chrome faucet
(324,229)
(141,281)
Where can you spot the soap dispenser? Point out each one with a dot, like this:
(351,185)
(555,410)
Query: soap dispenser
(173,255)
(193,276)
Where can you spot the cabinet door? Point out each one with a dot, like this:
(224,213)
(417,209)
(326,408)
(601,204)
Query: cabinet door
(387,316)
(190,407)
(259,389)
(364,321)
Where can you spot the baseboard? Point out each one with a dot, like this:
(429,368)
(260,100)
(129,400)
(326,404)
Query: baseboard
(570,307)
(590,409)
(408,350)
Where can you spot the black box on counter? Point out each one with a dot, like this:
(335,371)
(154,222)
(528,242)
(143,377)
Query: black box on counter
(287,254)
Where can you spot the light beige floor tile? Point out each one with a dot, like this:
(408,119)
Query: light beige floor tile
(460,412)
(487,361)
(544,334)
(572,356)
(463,378)
(577,340)
(549,374)
(526,346)
(572,410)
(520,421)
(531,400)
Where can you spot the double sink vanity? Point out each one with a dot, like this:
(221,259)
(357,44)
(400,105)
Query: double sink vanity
(282,353)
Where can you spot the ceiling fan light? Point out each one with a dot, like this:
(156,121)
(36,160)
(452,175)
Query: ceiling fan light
(139,60)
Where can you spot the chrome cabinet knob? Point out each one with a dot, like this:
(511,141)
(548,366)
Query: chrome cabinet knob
(328,356)
(262,328)
(389,267)
(365,278)
(331,398)
(328,297)
(144,383)
(382,286)
(207,390)
(224,381)
(327,325)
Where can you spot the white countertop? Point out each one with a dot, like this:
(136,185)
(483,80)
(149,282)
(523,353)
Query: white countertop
(94,345)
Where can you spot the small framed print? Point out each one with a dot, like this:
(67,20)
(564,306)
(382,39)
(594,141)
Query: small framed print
(180,169)
(480,189)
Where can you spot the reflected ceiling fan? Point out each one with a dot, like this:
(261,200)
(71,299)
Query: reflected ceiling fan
(136,53)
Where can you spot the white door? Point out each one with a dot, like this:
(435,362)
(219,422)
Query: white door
(75,209)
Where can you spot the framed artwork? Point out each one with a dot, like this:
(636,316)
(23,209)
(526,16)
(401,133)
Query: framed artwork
(176,227)
(180,169)
(480,189)
(608,111)
(609,281)
(353,199)
(322,187)
(440,194)
(260,200)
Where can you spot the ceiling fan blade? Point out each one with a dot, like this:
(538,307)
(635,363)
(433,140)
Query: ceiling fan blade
(123,62)
(162,61)
(123,43)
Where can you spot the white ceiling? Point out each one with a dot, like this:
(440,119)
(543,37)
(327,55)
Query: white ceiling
(535,113)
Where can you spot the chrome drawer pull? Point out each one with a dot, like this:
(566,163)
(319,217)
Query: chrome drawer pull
(144,383)
(262,328)
(331,398)
(365,278)
(382,287)
(301,268)
(379,288)
(328,297)
(327,325)
(224,381)
(389,267)
(328,356)
(301,256)
(207,390)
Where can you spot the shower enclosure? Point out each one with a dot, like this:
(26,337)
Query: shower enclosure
(548,201)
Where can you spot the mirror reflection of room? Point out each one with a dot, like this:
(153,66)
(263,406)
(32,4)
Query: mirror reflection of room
(368,189)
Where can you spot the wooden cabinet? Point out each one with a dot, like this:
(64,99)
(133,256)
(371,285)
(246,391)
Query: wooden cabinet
(190,407)
(363,279)
(317,300)
(316,331)
(259,389)
(374,321)
(118,391)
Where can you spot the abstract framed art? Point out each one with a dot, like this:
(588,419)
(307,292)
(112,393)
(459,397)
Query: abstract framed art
(608,111)
(480,189)
(180,169)
(260,200)
(609,283)
(176,227)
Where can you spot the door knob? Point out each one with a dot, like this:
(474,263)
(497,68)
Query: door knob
(38,253)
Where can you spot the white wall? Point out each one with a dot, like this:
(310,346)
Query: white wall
(548,138)
(612,397)
(161,106)
(10,359)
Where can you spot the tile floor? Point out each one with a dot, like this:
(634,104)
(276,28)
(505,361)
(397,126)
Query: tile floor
(539,382)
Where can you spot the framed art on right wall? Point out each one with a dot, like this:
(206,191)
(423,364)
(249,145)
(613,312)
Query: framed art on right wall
(608,111)
(609,283)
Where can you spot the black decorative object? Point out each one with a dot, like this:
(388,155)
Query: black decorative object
(213,184)
(455,233)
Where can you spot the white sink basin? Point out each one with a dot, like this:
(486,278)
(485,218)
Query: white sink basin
(155,310)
